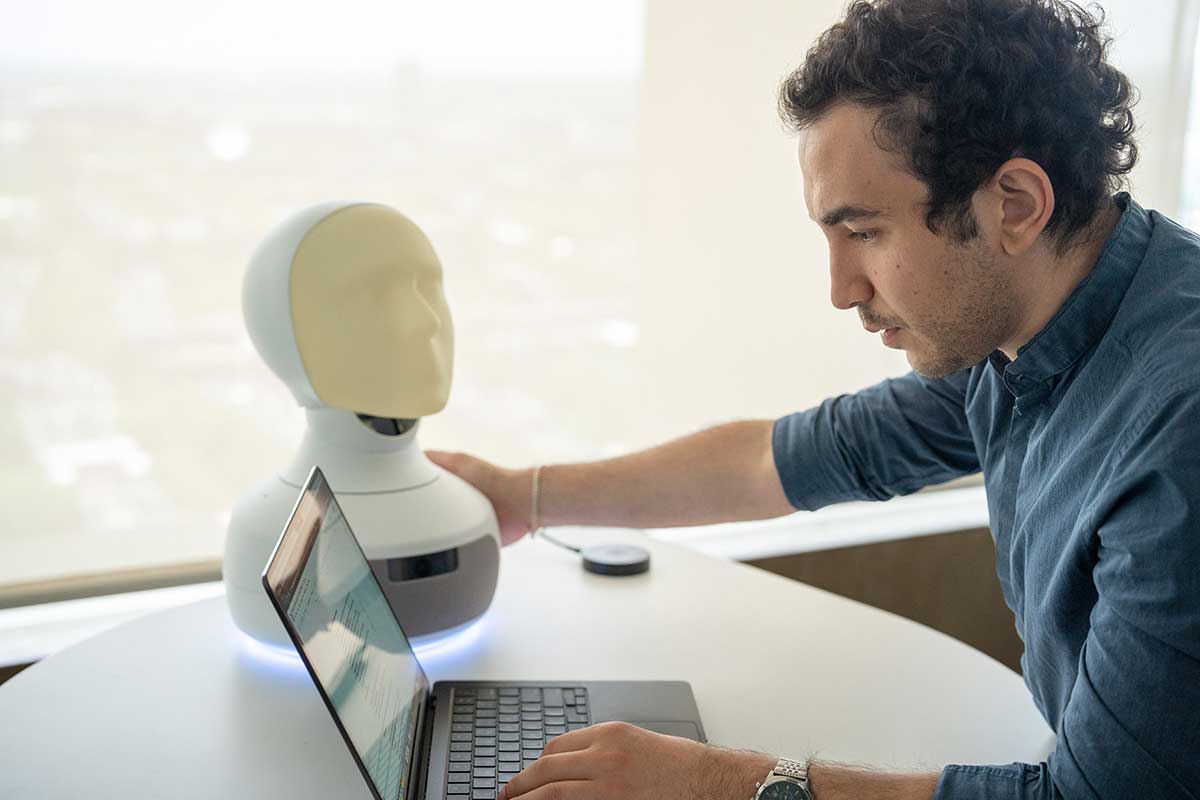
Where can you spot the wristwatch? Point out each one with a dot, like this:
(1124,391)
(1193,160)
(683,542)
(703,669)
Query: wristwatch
(788,781)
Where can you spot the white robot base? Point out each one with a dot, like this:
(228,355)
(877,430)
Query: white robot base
(431,538)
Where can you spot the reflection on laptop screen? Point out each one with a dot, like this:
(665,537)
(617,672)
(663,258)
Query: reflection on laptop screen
(357,650)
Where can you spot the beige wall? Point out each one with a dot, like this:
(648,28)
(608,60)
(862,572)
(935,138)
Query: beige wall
(726,241)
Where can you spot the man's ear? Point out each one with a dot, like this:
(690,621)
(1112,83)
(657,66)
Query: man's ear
(1018,201)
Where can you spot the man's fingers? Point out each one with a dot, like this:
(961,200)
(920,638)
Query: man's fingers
(573,740)
(461,464)
(562,761)
(564,767)
(442,458)
(565,790)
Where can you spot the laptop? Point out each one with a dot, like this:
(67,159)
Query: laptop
(455,739)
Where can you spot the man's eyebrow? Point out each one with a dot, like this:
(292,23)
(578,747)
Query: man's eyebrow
(848,213)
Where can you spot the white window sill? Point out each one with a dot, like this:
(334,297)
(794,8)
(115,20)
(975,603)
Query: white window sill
(842,525)
(29,633)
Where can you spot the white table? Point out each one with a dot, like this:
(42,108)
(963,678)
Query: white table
(176,704)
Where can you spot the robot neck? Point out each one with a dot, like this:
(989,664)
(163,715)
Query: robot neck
(386,425)
(361,454)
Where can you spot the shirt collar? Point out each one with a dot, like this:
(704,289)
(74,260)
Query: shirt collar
(1086,314)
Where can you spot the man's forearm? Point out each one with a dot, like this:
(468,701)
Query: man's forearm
(733,775)
(722,474)
(839,782)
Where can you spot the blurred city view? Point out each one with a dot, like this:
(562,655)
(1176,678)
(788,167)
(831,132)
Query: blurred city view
(627,254)
(134,408)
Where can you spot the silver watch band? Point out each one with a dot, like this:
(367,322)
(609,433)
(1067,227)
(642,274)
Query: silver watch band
(793,769)
(786,771)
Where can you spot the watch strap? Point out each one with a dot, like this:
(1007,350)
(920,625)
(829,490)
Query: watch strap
(792,769)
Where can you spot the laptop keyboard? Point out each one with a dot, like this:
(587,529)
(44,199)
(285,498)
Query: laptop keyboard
(497,732)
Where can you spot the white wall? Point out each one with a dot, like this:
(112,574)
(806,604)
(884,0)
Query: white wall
(1154,45)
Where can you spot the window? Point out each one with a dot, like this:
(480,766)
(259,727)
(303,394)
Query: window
(1189,187)
(145,151)
(618,211)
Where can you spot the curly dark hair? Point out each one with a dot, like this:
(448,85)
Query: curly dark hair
(964,85)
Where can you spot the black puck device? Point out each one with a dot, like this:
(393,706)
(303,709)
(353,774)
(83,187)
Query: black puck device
(615,559)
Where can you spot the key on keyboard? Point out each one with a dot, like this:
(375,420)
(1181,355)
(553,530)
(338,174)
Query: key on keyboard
(497,732)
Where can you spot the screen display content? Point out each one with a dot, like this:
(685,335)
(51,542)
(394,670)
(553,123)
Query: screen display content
(357,650)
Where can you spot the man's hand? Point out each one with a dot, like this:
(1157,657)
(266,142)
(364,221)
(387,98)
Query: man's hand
(508,490)
(619,761)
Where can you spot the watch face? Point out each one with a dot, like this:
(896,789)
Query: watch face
(784,790)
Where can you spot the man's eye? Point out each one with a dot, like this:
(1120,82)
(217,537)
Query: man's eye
(862,236)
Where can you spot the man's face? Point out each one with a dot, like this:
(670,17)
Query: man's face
(947,305)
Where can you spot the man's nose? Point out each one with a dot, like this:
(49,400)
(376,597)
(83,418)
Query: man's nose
(848,283)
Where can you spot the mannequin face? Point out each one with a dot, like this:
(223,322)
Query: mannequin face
(371,321)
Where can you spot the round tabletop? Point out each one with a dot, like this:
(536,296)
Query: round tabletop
(180,704)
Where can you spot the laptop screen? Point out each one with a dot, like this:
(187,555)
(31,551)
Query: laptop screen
(348,637)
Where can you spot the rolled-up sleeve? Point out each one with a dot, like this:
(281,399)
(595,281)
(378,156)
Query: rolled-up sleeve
(1000,782)
(1131,725)
(890,439)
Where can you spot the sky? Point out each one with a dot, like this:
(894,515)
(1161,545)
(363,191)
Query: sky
(575,38)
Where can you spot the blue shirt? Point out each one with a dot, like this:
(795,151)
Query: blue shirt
(1089,444)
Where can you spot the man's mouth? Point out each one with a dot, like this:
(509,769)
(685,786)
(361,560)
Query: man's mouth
(874,324)
(890,332)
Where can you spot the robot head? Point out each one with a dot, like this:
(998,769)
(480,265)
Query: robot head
(344,303)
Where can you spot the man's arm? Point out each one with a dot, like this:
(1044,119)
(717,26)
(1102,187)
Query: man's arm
(732,775)
(890,439)
(838,782)
(721,474)
(620,760)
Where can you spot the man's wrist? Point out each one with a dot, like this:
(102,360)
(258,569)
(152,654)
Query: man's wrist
(732,774)
(515,484)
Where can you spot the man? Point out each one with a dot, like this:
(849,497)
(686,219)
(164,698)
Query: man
(961,157)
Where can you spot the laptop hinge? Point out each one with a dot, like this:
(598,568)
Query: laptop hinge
(424,743)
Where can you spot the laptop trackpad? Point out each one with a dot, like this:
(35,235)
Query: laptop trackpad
(687,730)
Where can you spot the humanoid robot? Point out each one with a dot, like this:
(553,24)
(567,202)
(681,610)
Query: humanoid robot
(344,303)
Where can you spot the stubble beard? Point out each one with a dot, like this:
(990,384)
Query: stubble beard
(976,318)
